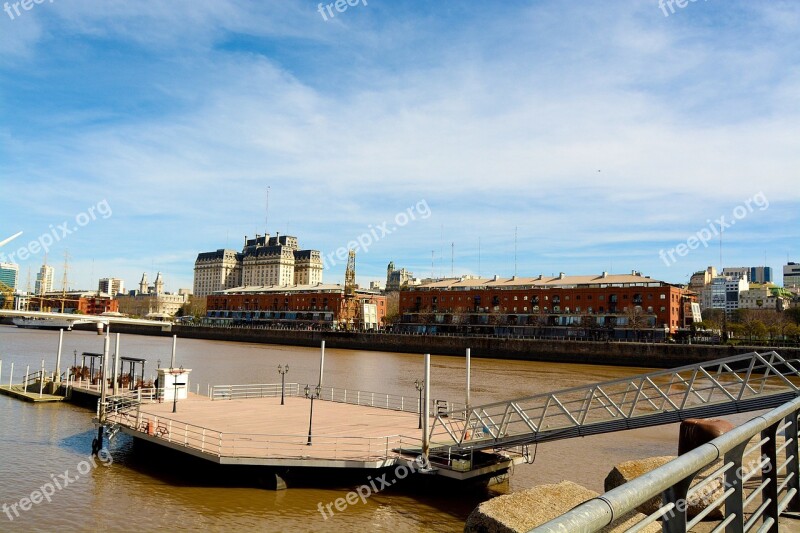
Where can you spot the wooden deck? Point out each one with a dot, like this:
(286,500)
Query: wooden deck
(261,431)
(16,391)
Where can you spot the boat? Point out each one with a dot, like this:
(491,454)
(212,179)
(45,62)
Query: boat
(43,323)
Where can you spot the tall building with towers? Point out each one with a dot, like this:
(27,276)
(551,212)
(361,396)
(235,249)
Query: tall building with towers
(264,261)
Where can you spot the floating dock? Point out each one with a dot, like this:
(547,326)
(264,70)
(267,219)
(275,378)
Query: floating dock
(248,425)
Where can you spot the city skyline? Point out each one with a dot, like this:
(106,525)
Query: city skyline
(575,139)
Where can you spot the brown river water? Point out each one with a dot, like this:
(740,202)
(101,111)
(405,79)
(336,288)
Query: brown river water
(42,442)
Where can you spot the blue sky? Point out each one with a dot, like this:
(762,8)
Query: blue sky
(602,131)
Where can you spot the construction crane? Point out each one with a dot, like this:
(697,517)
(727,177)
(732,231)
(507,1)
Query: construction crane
(7,296)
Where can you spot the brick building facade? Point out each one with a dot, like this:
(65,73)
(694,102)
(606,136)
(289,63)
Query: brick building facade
(601,305)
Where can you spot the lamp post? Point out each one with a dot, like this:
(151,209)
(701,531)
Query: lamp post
(175,373)
(419,384)
(312,397)
(283,371)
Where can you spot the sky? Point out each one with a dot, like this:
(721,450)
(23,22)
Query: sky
(463,137)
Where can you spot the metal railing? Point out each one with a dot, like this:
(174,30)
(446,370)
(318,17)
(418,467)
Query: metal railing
(253,445)
(735,384)
(238,392)
(379,400)
(749,497)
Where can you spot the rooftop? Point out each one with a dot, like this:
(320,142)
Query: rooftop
(541,281)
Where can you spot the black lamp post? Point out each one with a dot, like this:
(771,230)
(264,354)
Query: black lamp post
(312,397)
(176,373)
(419,384)
(283,370)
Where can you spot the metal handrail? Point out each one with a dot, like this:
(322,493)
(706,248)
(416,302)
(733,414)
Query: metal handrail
(672,481)
(379,400)
(733,384)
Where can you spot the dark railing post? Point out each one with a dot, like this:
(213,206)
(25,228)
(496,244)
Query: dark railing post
(734,505)
(793,464)
(770,472)
(675,519)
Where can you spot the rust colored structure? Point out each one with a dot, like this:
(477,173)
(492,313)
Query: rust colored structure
(86,303)
(628,306)
(310,306)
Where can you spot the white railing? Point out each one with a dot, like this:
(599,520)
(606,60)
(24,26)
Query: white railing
(254,445)
(239,392)
(745,484)
(378,400)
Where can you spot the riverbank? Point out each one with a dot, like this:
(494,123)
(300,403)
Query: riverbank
(546,350)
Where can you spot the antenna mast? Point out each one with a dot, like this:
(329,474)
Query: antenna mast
(515,251)
(64,280)
(266,215)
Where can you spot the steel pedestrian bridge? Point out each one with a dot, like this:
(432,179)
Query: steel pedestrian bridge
(737,384)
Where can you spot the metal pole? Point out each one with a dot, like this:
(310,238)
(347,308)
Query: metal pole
(174,346)
(41,380)
(283,378)
(175,394)
(116,366)
(97,445)
(11,375)
(469,370)
(321,362)
(310,418)
(426,408)
(58,355)
(25,378)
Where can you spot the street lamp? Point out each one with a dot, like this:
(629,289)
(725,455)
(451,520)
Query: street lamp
(175,373)
(419,385)
(283,371)
(312,397)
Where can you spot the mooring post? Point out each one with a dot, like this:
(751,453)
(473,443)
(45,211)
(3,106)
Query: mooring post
(58,355)
(174,348)
(41,380)
(11,375)
(97,444)
(321,362)
(115,373)
(426,408)
(468,381)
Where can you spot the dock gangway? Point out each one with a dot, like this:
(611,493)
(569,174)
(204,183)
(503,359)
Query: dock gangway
(737,384)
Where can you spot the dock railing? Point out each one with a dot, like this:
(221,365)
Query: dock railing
(379,400)
(259,390)
(730,486)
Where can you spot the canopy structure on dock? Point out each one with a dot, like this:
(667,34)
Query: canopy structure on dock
(132,363)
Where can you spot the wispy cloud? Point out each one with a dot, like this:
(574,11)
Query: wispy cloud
(598,130)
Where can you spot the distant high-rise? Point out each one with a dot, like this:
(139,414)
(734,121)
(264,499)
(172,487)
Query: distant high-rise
(112,286)
(44,279)
(759,274)
(791,275)
(9,275)
(762,274)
